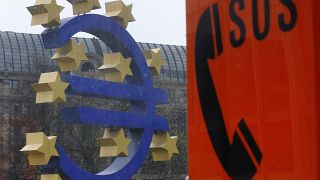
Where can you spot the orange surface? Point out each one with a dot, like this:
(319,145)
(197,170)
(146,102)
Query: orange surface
(272,83)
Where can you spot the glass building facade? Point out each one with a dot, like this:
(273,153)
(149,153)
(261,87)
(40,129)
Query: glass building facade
(20,51)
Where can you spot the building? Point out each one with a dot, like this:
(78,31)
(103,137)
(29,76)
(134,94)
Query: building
(23,57)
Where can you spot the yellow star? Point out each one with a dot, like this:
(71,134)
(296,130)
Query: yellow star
(114,143)
(50,177)
(154,60)
(70,56)
(46,13)
(50,88)
(163,146)
(120,12)
(116,67)
(40,148)
(84,6)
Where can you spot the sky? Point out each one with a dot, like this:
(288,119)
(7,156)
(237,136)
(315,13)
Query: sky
(157,21)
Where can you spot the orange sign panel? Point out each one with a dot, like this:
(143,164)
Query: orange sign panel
(253,89)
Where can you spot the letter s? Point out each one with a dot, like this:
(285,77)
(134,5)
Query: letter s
(293,12)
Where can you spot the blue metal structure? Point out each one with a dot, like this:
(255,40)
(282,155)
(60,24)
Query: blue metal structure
(141,121)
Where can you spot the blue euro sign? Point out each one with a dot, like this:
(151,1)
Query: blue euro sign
(142,120)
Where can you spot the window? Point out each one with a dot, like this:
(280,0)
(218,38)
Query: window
(1,87)
(17,109)
(13,84)
(8,87)
(88,67)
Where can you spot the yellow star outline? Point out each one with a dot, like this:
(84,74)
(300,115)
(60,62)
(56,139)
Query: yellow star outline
(114,143)
(163,146)
(50,88)
(39,148)
(70,55)
(84,6)
(120,12)
(154,60)
(46,13)
(116,67)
